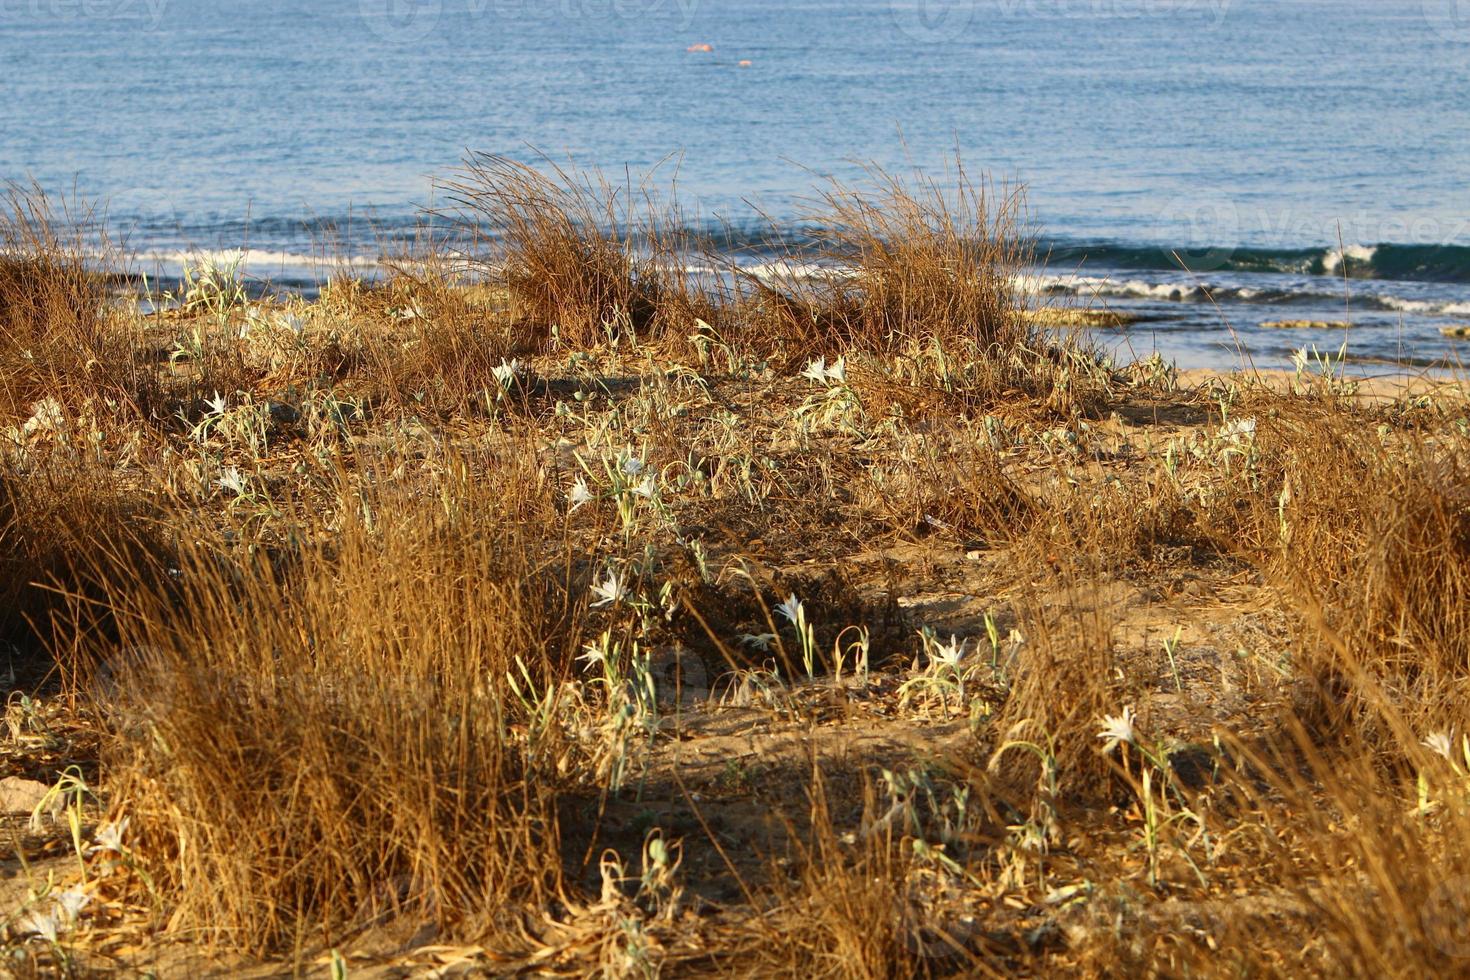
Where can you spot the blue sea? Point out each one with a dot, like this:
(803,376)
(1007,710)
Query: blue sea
(1210,165)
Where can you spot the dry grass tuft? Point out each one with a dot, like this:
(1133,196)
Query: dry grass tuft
(848,912)
(307,744)
(57,336)
(56,514)
(584,259)
(929,264)
(925,273)
(1064,683)
(1383,590)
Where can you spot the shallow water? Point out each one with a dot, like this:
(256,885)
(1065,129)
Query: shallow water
(1244,139)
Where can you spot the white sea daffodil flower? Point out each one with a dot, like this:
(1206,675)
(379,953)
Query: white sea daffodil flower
(71,902)
(1117,729)
(109,837)
(230,478)
(1239,430)
(647,488)
(44,924)
(594,654)
(952,653)
(822,373)
(609,590)
(1440,744)
(757,641)
(580,494)
(218,404)
(506,372)
(46,414)
(792,609)
(816,370)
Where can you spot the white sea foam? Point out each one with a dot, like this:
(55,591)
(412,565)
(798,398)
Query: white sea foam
(1400,305)
(1357,254)
(787,269)
(253,259)
(1143,289)
(1095,286)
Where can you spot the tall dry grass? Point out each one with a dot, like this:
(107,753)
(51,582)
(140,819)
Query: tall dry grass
(426,339)
(913,261)
(1365,529)
(582,256)
(847,910)
(58,513)
(926,272)
(58,338)
(311,741)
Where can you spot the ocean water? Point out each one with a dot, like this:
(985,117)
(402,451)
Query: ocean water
(1209,165)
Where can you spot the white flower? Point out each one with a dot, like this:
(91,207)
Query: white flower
(816,370)
(110,837)
(217,404)
(594,654)
(819,371)
(793,610)
(647,488)
(757,641)
(231,479)
(45,414)
(580,494)
(71,902)
(632,466)
(1239,430)
(1439,743)
(46,925)
(1117,729)
(951,654)
(293,323)
(611,589)
(506,373)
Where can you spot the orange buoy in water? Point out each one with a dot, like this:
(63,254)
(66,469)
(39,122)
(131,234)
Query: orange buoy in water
(745,64)
(699,48)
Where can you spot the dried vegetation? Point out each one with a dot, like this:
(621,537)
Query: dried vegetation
(541,610)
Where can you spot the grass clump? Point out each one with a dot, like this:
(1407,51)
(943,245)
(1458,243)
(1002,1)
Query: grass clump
(584,259)
(925,272)
(58,338)
(311,743)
